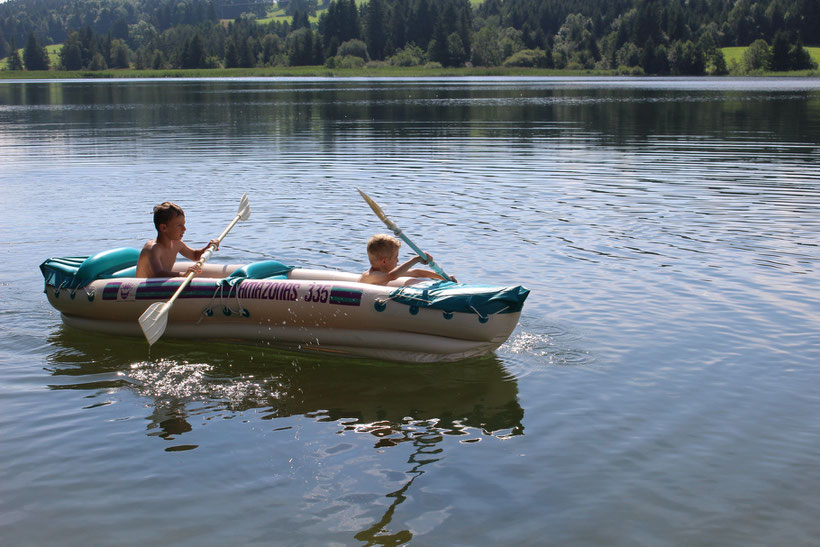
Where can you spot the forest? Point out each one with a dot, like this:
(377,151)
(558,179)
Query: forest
(677,37)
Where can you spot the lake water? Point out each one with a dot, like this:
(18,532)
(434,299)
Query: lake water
(660,389)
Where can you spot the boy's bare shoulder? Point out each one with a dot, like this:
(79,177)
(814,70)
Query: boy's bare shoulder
(374,278)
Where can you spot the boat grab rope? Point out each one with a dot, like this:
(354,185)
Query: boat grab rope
(224,302)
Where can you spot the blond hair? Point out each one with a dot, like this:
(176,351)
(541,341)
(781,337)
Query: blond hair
(382,246)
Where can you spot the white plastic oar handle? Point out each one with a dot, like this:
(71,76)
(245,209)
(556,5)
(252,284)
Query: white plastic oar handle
(206,256)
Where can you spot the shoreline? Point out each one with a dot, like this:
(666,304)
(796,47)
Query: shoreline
(364,72)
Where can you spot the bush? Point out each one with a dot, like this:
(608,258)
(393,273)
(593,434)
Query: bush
(757,57)
(353,48)
(98,63)
(348,61)
(624,70)
(529,58)
(410,55)
(213,62)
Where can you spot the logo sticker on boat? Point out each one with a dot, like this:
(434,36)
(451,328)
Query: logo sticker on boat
(127,292)
(120,291)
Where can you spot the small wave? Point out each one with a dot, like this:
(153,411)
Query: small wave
(549,346)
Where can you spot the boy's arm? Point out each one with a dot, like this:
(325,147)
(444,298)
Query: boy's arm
(402,270)
(423,273)
(195,255)
(381,278)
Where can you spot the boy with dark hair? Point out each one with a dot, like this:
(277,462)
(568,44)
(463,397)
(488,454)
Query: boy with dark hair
(158,256)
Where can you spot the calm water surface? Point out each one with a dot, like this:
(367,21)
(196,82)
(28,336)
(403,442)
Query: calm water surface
(661,388)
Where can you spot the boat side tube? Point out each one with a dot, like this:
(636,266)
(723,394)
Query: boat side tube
(73,273)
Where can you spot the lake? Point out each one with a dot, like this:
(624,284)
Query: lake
(660,388)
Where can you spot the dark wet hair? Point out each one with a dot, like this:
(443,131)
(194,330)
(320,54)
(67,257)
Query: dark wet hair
(165,211)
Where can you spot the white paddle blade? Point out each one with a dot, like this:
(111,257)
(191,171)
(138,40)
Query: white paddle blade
(244,208)
(153,322)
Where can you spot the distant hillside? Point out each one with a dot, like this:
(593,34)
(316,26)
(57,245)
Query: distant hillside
(639,36)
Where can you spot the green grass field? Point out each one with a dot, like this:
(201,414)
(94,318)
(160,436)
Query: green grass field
(53,56)
(735,54)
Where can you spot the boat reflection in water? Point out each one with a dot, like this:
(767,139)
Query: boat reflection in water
(395,403)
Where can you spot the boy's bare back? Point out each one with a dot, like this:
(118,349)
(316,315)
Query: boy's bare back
(157,260)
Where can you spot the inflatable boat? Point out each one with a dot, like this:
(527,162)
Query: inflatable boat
(271,303)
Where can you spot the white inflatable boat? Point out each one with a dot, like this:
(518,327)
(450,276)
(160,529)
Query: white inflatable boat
(270,302)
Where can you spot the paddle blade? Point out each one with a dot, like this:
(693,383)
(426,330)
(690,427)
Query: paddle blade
(374,206)
(153,321)
(244,208)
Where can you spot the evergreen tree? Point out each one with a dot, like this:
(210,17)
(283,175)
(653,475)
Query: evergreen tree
(375,24)
(120,55)
(780,53)
(34,56)
(231,54)
(800,59)
(88,45)
(193,55)
(71,57)
(339,24)
(14,62)
(456,54)
(437,50)
(247,52)
(158,60)
(301,47)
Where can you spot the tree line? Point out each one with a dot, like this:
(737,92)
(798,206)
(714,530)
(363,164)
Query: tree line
(636,36)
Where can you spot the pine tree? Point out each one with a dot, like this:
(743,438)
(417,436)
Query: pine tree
(14,62)
(375,21)
(71,57)
(34,56)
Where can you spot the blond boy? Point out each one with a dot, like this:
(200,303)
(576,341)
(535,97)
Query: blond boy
(383,253)
(159,255)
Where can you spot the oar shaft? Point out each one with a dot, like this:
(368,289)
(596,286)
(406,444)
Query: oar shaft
(432,263)
(181,288)
(396,230)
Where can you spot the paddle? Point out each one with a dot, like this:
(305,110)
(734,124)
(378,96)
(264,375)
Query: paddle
(396,230)
(154,320)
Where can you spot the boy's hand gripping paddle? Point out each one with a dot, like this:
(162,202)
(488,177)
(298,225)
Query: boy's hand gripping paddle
(396,230)
(154,320)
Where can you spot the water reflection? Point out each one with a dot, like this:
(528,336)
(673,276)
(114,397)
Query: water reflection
(396,404)
(523,110)
(374,397)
